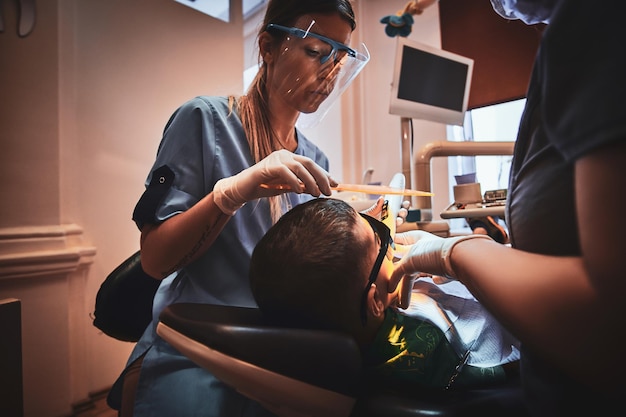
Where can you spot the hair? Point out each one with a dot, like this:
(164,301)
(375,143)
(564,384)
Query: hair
(311,267)
(253,107)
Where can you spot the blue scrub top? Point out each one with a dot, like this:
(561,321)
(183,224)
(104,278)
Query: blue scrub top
(203,142)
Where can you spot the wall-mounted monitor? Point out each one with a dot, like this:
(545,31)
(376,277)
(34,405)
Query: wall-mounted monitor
(430,83)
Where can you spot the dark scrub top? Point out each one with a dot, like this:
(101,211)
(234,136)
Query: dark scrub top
(575,104)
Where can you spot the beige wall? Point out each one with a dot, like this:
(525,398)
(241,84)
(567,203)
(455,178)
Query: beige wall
(83,101)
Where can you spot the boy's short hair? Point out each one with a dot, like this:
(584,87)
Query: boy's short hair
(310,268)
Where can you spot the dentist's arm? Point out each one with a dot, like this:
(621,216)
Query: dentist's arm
(169,246)
(300,173)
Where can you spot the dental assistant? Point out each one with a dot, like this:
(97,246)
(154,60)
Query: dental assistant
(204,209)
(560,287)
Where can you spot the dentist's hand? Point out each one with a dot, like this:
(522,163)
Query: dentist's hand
(299,173)
(427,253)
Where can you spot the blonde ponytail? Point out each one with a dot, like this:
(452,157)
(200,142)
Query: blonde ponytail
(253,111)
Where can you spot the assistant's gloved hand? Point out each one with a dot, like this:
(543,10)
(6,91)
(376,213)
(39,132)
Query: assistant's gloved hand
(426,253)
(376,211)
(402,213)
(296,173)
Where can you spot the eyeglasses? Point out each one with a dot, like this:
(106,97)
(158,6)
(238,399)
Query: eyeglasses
(384,234)
(302,34)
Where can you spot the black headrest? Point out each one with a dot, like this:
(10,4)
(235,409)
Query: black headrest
(326,359)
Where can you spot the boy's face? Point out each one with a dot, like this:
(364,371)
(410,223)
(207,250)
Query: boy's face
(369,234)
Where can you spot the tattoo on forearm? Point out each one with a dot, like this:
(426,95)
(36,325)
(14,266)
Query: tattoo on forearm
(206,234)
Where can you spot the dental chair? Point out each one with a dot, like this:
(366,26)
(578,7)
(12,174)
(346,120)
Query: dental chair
(297,372)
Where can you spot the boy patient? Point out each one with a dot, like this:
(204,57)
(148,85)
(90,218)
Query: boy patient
(324,265)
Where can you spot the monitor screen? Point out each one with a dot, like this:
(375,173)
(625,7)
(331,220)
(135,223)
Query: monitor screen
(430,83)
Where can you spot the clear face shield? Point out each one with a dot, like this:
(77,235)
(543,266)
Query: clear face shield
(313,69)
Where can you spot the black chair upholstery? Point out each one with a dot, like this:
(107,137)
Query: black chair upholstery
(301,372)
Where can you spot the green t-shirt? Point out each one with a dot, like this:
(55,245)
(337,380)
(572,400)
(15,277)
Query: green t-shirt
(409,350)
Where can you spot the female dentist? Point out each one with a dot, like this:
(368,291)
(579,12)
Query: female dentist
(204,209)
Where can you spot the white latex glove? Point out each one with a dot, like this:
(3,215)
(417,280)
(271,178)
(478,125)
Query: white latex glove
(297,173)
(402,213)
(425,252)
(376,210)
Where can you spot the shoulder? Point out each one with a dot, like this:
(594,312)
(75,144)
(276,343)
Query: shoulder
(205,111)
(583,89)
(213,104)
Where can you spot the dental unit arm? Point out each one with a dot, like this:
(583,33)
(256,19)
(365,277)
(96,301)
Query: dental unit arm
(449,148)
(420,173)
(421,167)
